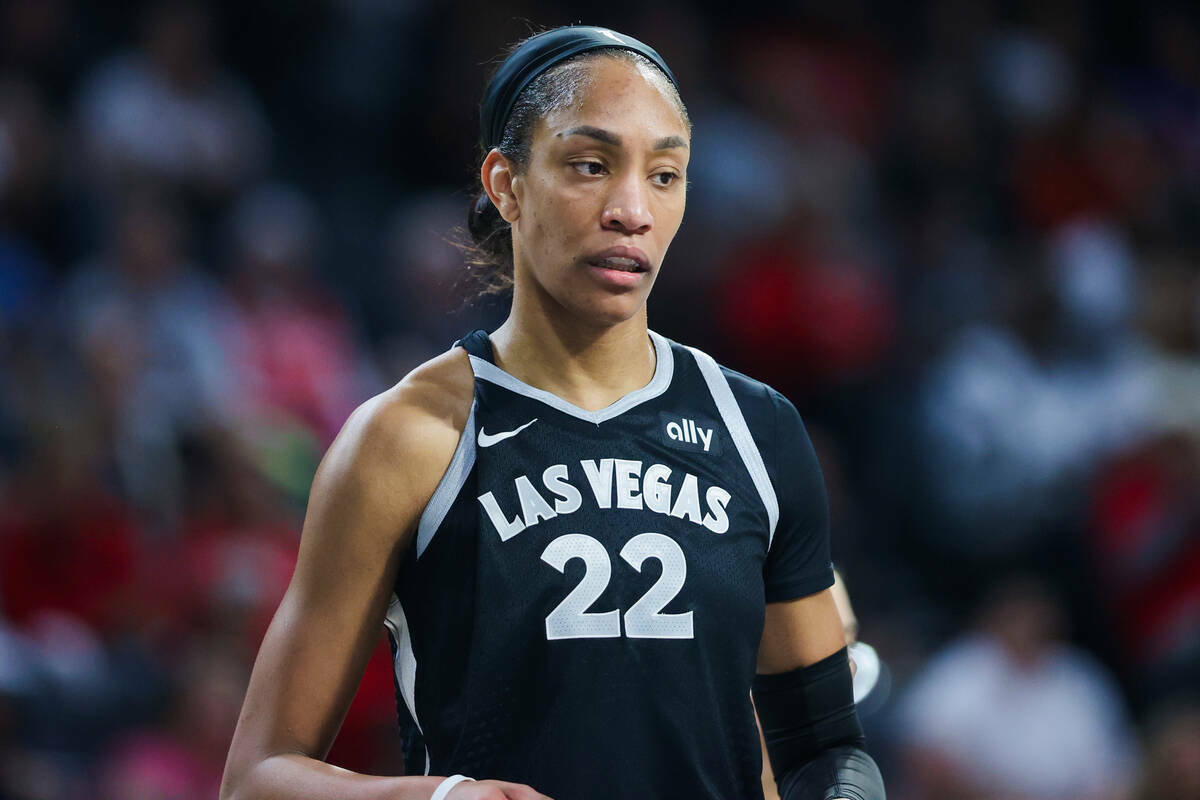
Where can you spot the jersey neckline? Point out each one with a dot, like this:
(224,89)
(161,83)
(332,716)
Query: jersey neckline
(664,368)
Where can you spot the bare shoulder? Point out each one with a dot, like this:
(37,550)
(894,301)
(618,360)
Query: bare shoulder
(394,448)
(428,405)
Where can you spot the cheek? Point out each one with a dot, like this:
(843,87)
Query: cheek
(673,213)
(546,234)
(550,237)
(561,219)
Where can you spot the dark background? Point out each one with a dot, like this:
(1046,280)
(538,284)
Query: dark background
(964,238)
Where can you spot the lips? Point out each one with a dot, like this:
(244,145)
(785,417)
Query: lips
(621,259)
(620,264)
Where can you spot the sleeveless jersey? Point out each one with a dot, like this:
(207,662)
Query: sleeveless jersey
(582,604)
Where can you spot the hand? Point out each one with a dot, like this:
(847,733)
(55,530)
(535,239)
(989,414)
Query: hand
(494,790)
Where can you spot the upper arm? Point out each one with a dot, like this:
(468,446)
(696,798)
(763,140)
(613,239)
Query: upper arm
(797,633)
(366,499)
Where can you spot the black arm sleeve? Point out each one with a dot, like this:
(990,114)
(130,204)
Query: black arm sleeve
(798,563)
(813,736)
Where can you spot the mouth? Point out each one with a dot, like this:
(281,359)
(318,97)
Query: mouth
(619,264)
(621,259)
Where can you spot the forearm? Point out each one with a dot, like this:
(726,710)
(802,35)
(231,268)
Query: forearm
(769,787)
(292,776)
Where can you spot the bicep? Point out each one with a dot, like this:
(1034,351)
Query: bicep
(797,633)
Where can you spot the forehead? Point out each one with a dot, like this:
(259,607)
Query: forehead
(628,99)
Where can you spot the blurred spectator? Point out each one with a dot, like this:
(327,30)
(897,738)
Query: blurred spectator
(170,111)
(66,545)
(1166,90)
(224,575)
(182,759)
(1012,415)
(145,326)
(1146,536)
(424,299)
(27,170)
(1171,320)
(70,560)
(1145,519)
(1172,767)
(736,169)
(296,367)
(42,39)
(1010,710)
(1030,77)
(30,210)
(801,312)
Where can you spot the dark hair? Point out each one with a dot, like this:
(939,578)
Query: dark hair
(489,253)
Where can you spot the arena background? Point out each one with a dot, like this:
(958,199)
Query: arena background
(963,238)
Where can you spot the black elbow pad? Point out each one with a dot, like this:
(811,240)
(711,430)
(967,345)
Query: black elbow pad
(807,710)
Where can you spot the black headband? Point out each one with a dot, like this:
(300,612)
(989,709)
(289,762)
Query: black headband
(539,54)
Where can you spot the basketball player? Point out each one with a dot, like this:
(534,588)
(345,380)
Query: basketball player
(584,539)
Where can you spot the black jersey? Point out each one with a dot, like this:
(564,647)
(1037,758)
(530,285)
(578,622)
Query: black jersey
(582,605)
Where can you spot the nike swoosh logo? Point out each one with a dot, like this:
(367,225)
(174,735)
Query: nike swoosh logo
(487,440)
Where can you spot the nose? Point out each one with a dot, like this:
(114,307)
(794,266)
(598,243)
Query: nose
(627,209)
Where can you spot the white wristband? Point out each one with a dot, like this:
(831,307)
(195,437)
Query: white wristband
(445,786)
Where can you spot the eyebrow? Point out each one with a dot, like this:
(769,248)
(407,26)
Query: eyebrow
(608,137)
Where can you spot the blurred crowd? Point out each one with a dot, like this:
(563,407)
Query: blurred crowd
(964,238)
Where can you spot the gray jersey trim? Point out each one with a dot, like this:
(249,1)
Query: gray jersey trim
(405,663)
(663,370)
(450,485)
(731,414)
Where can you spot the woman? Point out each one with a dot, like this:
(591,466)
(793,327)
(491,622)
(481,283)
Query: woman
(574,529)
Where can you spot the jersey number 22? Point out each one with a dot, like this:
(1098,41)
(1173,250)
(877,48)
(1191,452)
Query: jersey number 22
(570,619)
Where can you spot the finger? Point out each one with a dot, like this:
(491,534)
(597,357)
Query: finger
(479,793)
(519,791)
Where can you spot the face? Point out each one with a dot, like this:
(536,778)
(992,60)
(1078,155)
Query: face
(595,210)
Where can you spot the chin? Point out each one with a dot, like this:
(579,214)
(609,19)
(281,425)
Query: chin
(610,310)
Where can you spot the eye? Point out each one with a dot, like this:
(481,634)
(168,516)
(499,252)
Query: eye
(591,168)
(665,178)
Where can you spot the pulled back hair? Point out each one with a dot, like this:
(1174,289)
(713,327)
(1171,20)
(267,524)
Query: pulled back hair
(489,253)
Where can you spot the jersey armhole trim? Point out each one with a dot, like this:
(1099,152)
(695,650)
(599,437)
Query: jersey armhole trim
(739,431)
(449,486)
(405,665)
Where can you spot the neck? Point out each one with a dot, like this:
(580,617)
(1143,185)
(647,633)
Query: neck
(590,366)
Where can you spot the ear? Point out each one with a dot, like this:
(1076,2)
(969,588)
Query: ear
(497,176)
